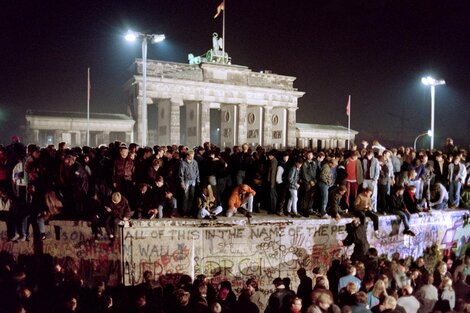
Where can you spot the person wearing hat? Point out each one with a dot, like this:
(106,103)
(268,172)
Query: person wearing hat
(241,198)
(119,210)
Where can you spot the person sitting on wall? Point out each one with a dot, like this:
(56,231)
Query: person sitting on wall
(206,203)
(334,202)
(118,210)
(163,202)
(409,197)
(397,206)
(441,197)
(363,208)
(241,199)
(142,201)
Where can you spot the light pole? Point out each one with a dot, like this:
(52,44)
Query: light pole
(154,38)
(429,81)
(429,133)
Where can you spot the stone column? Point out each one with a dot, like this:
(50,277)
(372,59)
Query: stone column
(242,123)
(58,136)
(129,137)
(106,137)
(175,104)
(267,126)
(205,122)
(291,127)
(81,138)
(342,143)
(36,136)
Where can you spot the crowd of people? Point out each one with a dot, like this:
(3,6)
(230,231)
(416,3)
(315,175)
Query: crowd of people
(109,184)
(35,284)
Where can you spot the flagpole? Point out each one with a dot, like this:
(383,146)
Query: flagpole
(223,33)
(349,123)
(88,111)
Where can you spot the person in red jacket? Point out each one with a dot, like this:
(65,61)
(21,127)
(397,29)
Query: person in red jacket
(241,199)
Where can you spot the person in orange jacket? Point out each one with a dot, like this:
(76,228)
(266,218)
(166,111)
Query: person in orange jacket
(241,199)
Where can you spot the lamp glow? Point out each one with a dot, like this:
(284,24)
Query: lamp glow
(131,36)
(158,38)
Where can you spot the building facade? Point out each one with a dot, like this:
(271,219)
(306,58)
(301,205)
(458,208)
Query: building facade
(225,104)
(49,127)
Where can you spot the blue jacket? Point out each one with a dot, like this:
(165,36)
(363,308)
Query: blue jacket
(374,168)
(462,172)
(293,178)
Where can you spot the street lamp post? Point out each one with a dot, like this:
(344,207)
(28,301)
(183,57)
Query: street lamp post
(429,133)
(154,38)
(429,81)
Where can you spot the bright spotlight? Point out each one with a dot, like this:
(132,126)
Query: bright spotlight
(158,38)
(430,81)
(131,36)
(430,133)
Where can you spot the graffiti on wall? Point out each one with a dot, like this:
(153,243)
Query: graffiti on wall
(73,246)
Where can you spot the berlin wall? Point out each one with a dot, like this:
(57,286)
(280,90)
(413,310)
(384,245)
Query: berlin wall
(229,248)
(267,248)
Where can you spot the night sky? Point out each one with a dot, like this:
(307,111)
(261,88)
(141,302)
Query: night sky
(377,51)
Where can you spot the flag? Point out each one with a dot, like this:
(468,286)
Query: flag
(219,9)
(348,106)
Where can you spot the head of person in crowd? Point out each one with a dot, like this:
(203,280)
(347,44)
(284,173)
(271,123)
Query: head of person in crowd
(321,282)
(296,305)
(298,163)
(140,300)
(71,303)
(251,285)
(143,188)
(285,157)
(182,297)
(216,307)
(116,197)
(323,299)
(157,164)
(286,282)
(301,273)
(446,284)
(346,309)
(414,274)
(351,288)
(354,155)
(441,267)
(428,279)
(388,303)
(369,154)
(379,289)
(189,156)
(367,192)
(399,190)
(277,282)
(223,293)
(361,298)
(385,279)
(123,151)
(420,262)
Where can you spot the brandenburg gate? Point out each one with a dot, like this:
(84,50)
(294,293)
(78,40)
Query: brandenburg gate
(257,108)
